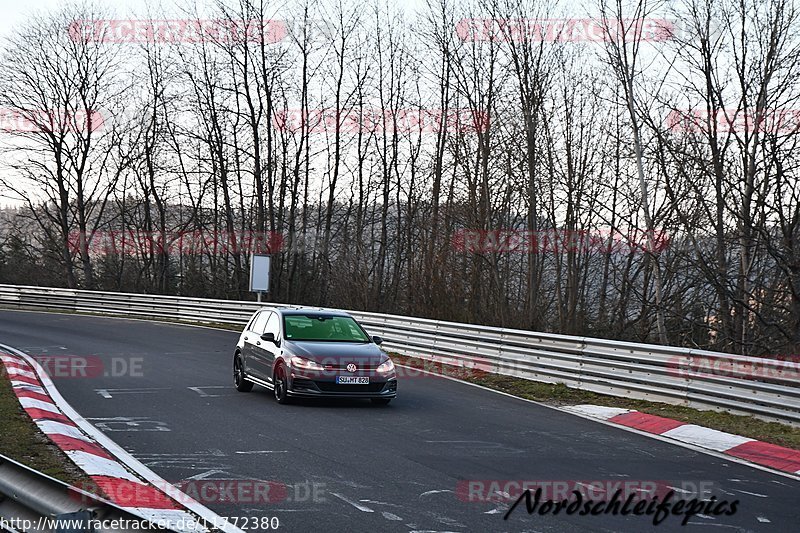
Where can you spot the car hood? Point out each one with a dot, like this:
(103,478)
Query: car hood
(338,353)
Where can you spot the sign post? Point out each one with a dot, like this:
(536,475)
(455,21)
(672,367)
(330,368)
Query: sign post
(259,274)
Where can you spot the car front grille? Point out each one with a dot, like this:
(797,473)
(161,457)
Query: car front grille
(328,386)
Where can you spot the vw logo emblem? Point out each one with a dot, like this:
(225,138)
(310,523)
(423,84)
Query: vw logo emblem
(351,367)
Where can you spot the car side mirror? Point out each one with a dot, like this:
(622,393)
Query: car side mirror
(270,337)
(377,340)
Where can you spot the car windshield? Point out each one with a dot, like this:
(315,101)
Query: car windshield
(325,328)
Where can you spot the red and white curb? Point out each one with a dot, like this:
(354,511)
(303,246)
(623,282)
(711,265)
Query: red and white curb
(754,451)
(124,481)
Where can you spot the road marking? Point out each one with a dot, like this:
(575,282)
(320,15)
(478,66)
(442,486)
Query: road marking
(106,393)
(380,503)
(590,486)
(208,473)
(223,475)
(752,493)
(191,461)
(123,423)
(428,493)
(254,452)
(213,453)
(362,508)
(203,394)
(676,489)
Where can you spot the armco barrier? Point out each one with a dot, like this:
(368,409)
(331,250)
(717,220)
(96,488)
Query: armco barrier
(32,501)
(767,388)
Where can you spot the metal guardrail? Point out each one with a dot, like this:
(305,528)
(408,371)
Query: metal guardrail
(767,388)
(31,501)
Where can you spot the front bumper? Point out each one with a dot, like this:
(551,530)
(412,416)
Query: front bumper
(325,386)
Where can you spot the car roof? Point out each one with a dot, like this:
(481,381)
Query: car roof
(311,311)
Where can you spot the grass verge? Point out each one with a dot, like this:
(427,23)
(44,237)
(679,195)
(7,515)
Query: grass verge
(560,395)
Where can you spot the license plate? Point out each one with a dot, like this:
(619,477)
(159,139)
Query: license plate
(352,380)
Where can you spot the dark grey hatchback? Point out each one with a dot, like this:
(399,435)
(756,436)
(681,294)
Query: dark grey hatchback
(312,353)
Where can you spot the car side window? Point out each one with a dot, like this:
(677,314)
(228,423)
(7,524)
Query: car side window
(273,325)
(260,322)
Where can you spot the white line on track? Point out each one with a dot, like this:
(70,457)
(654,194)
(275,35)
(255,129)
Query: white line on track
(204,394)
(256,452)
(106,393)
(428,493)
(681,491)
(362,508)
(209,473)
(705,516)
(752,493)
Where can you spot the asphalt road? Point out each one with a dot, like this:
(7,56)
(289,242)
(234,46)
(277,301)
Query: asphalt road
(164,393)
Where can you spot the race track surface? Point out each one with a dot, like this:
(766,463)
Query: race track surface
(164,393)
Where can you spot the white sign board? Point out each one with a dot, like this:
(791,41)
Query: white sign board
(259,273)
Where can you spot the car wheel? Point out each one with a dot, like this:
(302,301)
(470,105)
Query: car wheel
(381,401)
(239,381)
(281,386)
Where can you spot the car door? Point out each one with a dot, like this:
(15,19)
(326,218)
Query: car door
(252,341)
(262,357)
(269,351)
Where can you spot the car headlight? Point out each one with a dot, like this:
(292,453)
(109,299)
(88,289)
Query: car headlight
(305,364)
(385,367)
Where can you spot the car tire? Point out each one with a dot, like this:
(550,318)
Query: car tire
(239,377)
(381,401)
(281,386)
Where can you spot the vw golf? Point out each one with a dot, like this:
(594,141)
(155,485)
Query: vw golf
(312,353)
